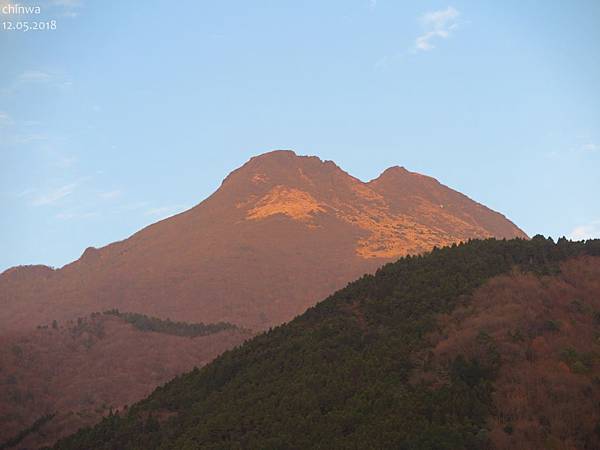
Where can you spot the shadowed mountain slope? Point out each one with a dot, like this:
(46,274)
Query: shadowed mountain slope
(280,233)
(78,371)
(490,344)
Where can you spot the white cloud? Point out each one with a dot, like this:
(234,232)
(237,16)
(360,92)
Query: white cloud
(134,206)
(5,119)
(590,147)
(109,195)
(54,79)
(69,8)
(67,3)
(165,211)
(26,192)
(34,76)
(440,19)
(586,231)
(438,25)
(31,123)
(583,148)
(29,138)
(64,162)
(76,215)
(54,195)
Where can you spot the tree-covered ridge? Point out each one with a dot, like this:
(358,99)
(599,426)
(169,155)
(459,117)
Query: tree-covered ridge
(342,375)
(167,326)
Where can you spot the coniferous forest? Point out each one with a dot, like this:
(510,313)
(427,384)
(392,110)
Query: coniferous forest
(146,323)
(366,367)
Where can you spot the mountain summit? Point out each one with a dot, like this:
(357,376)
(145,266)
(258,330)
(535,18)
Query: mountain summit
(280,233)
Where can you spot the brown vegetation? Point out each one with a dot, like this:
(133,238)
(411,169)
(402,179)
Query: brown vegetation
(546,333)
(82,369)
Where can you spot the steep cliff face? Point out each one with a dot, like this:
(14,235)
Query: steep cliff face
(280,233)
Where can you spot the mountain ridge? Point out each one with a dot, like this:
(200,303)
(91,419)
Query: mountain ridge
(280,233)
(214,261)
(389,174)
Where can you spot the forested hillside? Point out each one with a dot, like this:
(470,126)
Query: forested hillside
(485,344)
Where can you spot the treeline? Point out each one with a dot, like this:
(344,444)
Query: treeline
(342,375)
(167,326)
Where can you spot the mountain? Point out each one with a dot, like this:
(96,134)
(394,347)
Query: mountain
(74,373)
(489,344)
(280,233)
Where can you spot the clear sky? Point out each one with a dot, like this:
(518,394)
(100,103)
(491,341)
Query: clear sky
(130,111)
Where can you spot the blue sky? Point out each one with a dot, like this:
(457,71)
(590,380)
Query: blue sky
(131,111)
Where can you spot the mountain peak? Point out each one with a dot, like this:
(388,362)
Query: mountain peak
(288,159)
(395,170)
(27,271)
(276,154)
(395,173)
(281,167)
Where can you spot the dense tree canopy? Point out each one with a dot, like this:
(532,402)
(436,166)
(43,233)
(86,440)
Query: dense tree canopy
(147,323)
(342,374)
